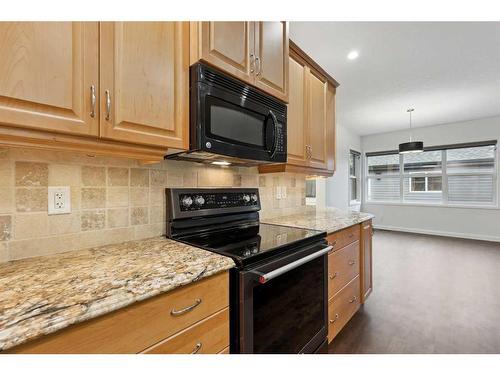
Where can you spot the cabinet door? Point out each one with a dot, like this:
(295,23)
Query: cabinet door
(366,260)
(228,46)
(271,66)
(46,73)
(297,114)
(145,82)
(317,120)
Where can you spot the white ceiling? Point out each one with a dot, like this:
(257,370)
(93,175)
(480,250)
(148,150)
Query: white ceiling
(447,71)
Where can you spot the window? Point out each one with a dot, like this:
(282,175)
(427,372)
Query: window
(456,174)
(354,177)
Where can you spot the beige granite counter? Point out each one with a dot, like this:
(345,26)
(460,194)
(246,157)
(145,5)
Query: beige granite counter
(328,219)
(41,295)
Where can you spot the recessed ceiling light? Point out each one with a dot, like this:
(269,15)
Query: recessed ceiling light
(353,55)
(221,163)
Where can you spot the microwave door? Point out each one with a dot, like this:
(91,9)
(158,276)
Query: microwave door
(234,126)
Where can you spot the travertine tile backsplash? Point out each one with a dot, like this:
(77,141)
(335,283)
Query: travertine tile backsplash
(112,200)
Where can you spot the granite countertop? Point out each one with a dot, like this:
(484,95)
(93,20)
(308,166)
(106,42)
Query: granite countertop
(328,219)
(41,295)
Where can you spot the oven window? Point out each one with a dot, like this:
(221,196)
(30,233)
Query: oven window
(236,124)
(289,310)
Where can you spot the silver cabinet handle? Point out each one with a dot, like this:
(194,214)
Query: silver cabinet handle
(108,104)
(352,299)
(334,275)
(175,312)
(92,101)
(252,62)
(352,262)
(259,67)
(197,348)
(264,278)
(333,243)
(334,320)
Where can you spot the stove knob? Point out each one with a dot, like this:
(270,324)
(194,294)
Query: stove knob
(199,200)
(187,201)
(246,198)
(254,198)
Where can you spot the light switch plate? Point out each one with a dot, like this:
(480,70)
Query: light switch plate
(59,200)
(283,192)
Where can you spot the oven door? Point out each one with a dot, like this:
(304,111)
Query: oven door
(283,304)
(230,124)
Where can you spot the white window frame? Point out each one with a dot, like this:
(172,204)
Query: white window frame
(444,202)
(426,180)
(359,178)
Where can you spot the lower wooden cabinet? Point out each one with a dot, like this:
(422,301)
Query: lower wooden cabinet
(342,307)
(209,336)
(349,274)
(366,260)
(172,322)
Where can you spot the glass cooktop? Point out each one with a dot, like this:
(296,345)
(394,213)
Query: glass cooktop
(254,242)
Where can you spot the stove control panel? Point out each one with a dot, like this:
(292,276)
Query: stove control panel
(208,200)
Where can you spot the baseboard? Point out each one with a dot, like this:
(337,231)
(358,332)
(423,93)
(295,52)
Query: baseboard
(470,236)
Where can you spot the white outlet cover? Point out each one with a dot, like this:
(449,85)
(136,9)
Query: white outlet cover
(59,200)
(278,192)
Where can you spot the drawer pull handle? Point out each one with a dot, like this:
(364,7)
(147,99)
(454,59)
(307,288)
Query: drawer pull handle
(92,101)
(334,275)
(352,299)
(366,227)
(197,348)
(108,104)
(175,312)
(333,243)
(334,320)
(352,262)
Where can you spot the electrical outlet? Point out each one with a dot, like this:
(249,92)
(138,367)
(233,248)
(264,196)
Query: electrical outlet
(283,192)
(278,192)
(59,200)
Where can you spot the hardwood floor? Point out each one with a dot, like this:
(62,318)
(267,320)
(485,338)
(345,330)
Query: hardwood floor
(431,295)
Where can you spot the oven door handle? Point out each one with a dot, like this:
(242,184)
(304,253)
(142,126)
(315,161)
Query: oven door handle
(265,277)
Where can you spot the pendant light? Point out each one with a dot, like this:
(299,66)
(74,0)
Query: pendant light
(412,146)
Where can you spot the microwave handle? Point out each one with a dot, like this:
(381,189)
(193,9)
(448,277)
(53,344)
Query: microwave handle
(275,146)
(265,277)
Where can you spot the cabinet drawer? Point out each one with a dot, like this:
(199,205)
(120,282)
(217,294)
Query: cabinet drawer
(342,307)
(343,266)
(210,336)
(141,325)
(344,237)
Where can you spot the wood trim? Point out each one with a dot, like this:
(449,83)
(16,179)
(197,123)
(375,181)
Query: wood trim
(331,128)
(277,168)
(296,50)
(40,139)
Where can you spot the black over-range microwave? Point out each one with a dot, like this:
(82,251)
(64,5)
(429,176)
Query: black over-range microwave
(232,122)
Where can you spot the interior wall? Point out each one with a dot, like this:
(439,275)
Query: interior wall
(337,186)
(112,200)
(477,223)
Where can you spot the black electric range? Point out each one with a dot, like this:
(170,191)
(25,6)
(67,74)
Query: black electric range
(278,290)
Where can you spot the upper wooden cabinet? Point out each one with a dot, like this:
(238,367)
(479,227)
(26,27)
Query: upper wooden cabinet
(310,118)
(123,85)
(255,52)
(145,82)
(48,74)
(297,114)
(271,56)
(226,45)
